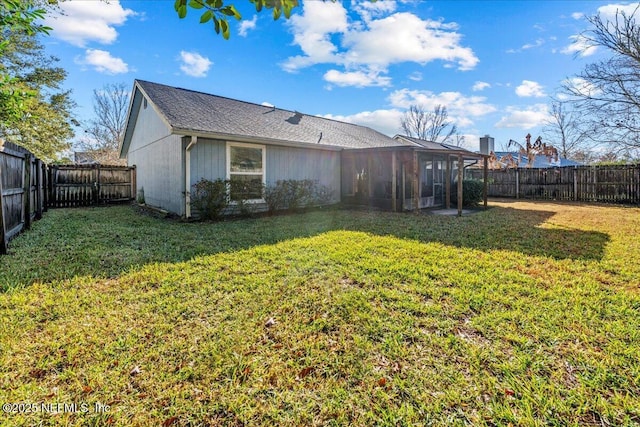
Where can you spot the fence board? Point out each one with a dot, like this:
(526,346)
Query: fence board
(607,184)
(86,185)
(19,181)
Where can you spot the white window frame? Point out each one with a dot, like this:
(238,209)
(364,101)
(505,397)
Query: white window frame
(264,166)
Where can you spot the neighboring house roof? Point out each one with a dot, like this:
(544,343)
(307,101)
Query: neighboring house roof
(540,161)
(189,112)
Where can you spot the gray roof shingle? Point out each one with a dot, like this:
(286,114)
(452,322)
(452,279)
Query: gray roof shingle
(192,111)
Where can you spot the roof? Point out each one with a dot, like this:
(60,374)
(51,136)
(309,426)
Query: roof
(437,146)
(540,161)
(189,112)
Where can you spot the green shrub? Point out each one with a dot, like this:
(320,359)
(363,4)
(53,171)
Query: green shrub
(210,197)
(243,191)
(294,194)
(472,192)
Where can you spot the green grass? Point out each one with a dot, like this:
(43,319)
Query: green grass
(524,314)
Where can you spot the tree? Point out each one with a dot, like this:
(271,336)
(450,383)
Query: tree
(16,16)
(110,105)
(567,131)
(608,92)
(428,125)
(217,12)
(44,122)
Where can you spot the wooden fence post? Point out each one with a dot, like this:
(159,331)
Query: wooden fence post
(39,192)
(485,175)
(517,183)
(45,187)
(26,195)
(575,183)
(96,185)
(3,236)
(134,184)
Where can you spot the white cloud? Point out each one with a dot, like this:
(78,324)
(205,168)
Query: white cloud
(384,121)
(416,76)
(582,86)
(267,104)
(404,37)
(480,86)
(577,15)
(103,62)
(527,118)
(357,78)
(312,31)
(461,109)
(325,36)
(530,88)
(246,25)
(85,21)
(579,45)
(608,12)
(537,43)
(368,9)
(194,64)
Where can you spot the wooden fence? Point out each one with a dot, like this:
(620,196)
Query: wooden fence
(28,187)
(86,185)
(22,191)
(608,184)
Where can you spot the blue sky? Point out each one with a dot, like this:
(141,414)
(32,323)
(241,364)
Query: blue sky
(494,64)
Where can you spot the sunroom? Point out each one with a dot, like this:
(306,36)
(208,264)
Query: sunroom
(407,178)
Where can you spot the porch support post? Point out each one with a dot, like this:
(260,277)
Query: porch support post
(416,183)
(447,183)
(394,182)
(370,177)
(460,172)
(485,187)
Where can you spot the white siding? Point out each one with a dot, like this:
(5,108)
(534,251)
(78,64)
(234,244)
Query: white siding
(159,159)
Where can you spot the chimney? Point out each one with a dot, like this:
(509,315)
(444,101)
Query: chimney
(486,144)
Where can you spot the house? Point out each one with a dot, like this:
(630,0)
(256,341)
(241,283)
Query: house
(175,137)
(520,159)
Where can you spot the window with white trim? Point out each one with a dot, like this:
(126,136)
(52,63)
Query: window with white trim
(245,170)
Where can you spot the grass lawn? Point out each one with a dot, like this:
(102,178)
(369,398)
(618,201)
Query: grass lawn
(524,314)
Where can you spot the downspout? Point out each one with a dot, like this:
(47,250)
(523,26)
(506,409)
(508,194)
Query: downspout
(187,176)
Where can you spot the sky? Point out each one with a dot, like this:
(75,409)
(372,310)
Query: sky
(495,65)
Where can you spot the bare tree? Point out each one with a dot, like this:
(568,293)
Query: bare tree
(608,92)
(567,131)
(102,137)
(432,126)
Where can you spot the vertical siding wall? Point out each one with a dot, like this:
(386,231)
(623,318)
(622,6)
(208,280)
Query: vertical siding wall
(159,160)
(208,161)
(299,163)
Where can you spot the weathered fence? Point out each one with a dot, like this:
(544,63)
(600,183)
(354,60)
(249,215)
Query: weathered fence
(607,183)
(22,190)
(28,187)
(86,185)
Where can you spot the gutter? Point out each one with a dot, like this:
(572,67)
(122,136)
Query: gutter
(187,176)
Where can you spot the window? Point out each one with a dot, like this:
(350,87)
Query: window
(245,170)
